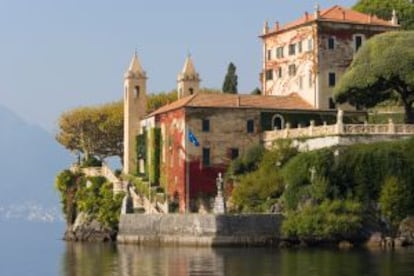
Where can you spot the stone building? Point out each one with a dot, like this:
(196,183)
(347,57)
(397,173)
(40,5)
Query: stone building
(309,55)
(184,145)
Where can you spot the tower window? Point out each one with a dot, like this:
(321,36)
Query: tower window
(331,43)
(136,91)
(206,157)
(332,79)
(191,91)
(250,126)
(205,125)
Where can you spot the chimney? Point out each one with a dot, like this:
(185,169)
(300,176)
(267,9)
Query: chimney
(370,18)
(306,16)
(343,15)
(277,26)
(265,28)
(317,11)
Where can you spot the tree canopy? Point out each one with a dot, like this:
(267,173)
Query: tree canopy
(230,80)
(93,131)
(383,9)
(382,68)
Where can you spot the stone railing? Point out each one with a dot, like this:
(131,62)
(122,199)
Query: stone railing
(337,129)
(104,171)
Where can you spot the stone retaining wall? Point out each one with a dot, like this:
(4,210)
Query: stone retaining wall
(200,230)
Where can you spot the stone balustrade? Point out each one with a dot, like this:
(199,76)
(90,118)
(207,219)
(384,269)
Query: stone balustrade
(337,130)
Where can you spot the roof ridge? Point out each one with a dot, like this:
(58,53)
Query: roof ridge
(325,11)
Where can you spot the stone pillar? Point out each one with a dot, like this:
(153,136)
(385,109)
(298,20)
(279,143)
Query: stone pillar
(391,126)
(287,127)
(311,126)
(340,122)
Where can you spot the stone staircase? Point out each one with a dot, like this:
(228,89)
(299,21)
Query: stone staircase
(139,200)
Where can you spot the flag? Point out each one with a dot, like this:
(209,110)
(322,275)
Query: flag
(193,139)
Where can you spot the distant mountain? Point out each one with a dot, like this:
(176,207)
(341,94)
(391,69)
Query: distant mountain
(29,161)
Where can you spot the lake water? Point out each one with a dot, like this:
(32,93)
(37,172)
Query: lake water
(36,249)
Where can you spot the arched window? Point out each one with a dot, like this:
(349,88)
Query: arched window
(136,91)
(191,90)
(278,122)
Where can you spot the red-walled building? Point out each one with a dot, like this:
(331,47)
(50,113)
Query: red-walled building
(222,127)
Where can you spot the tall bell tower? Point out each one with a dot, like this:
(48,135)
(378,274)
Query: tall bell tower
(135,104)
(188,81)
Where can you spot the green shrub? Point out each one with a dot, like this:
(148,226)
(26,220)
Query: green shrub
(260,189)
(396,201)
(331,220)
(92,195)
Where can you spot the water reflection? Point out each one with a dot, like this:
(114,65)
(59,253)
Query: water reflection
(106,259)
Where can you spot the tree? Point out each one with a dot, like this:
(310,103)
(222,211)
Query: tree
(396,201)
(96,131)
(383,9)
(230,80)
(157,100)
(383,67)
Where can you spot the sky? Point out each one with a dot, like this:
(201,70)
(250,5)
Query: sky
(59,54)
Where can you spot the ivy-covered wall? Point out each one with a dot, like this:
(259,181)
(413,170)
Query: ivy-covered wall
(154,152)
(142,144)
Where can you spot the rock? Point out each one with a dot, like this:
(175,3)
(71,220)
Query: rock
(406,230)
(375,240)
(85,229)
(345,245)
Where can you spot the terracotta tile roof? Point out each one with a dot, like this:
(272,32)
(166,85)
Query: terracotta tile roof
(290,102)
(338,14)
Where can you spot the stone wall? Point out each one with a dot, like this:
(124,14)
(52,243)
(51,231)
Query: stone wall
(200,230)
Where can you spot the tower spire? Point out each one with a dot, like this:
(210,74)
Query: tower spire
(188,80)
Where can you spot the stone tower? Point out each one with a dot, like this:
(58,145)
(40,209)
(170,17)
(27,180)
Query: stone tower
(188,80)
(135,103)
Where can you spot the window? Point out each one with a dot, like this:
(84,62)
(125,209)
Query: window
(310,44)
(358,42)
(250,126)
(279,52)
(269,74)
(332,79)
(234,153)
(279,72)
(331,43)
(300,46)
(301,82)
(269,54)
(310,79)
(136,91)
(206,157)
(332,104)
(191,91)
(292,70)
(292,49)
(206,125)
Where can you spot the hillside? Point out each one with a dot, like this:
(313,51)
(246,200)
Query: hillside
(30,159)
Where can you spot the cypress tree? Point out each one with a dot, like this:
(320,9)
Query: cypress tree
(230,81)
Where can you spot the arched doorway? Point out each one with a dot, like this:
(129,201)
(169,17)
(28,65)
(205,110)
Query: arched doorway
(278,122)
